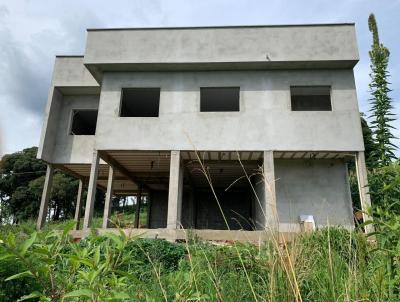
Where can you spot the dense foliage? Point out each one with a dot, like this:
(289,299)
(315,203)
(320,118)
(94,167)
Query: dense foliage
(328,265)
(21,185)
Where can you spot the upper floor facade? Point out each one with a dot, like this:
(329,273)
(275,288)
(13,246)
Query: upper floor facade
(281,88)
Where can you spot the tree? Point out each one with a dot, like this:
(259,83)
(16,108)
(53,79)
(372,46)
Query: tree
(17,170)
(380,100)
(21,185)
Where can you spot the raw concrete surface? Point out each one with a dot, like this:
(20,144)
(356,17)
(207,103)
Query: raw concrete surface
(313,187)
(243,47)
(265,120)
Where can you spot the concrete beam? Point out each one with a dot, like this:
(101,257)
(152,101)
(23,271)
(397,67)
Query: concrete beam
(91,195)
(44,203)
(78,207)
(112,162)
(109,196)
(362,179)
(175,191)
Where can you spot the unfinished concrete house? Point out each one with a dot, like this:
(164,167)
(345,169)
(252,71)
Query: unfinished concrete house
(265,115)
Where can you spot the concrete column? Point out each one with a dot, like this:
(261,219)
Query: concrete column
(362,179)
(138,204)
(175,191)
(91,195)
(78,207)
(44,203)
(269,206)
(109,196)
(148,224)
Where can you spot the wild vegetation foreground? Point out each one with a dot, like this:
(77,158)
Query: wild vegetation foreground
(328,265)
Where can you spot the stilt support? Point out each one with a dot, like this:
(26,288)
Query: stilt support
(109,196)
(175,191)
(44,203)
(91,195)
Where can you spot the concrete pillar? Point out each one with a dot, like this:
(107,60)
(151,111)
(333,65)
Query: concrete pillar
(148,222)
(175,191)
(362,179)
(44,203)
(91,195)
(78,207)
(269,206)
(109,196)
(138,204)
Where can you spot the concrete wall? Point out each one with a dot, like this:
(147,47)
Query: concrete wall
(73,148)
(265,120)
(265,45)
(237,208)
(70,77)
(159,209)
(70,72)
(312,187)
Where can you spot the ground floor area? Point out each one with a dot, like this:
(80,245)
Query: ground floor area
(217,195)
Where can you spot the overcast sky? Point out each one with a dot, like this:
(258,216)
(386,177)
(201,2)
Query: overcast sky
(33,32)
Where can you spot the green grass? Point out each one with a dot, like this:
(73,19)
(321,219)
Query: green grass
(328,265)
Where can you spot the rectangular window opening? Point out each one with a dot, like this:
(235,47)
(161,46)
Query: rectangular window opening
(311,98)
(219,99)
(84,122)
(140,102)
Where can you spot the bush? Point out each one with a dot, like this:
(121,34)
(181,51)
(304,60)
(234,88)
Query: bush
(11,291)
(327,265)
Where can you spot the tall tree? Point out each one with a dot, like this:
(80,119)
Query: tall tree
(380,100)
(21,185)
(17,170)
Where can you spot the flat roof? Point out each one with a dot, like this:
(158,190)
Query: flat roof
(222,26)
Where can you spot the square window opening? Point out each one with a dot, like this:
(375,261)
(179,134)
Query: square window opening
(140,102)
(83,122)
(219,99)
(311,98)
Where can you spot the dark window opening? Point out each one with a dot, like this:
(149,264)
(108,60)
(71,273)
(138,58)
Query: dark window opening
(311,98)
(218,99)
(84,122)
(140,102)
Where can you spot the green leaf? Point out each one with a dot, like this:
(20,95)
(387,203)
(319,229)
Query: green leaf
(121,296)
(28,243)
(69,227)
(84,292)
(30,296)
(117,240)
(3,257)
(97,255)
(20,275)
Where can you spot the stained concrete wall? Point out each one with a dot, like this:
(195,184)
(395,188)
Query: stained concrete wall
(159,209)
(201,210)
(265,120)
(236,206)
(312,187)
